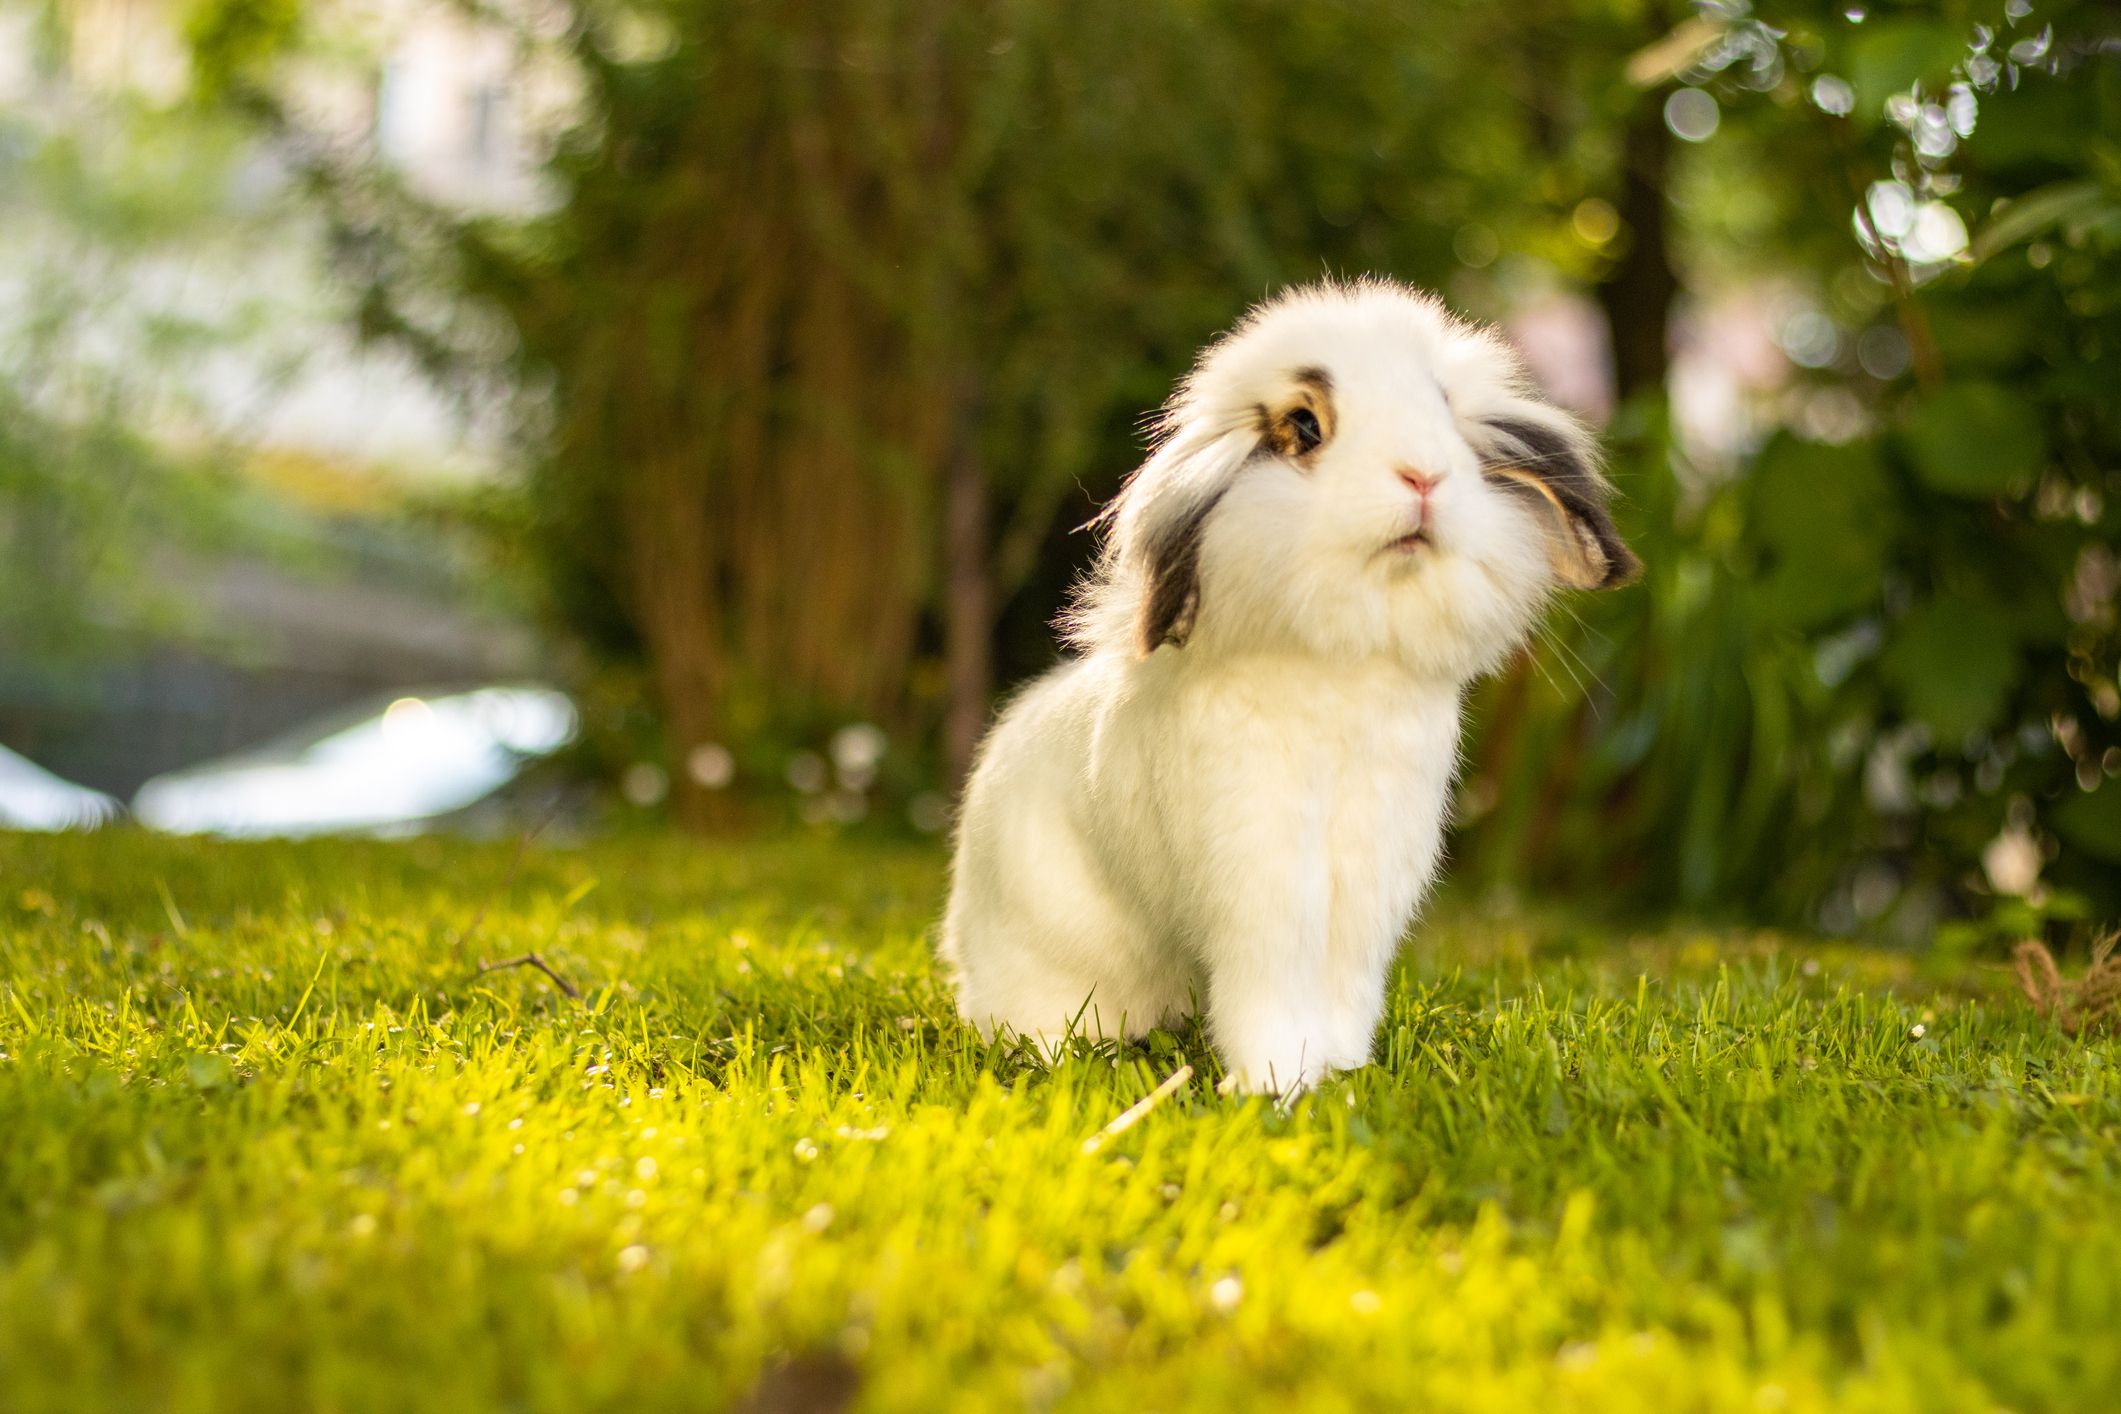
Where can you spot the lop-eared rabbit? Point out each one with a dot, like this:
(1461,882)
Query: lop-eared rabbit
(1234,794)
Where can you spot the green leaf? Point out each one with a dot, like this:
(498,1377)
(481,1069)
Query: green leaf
(1825,516)
(2037,212)
(1975,439)
(1952,663)
(1892,56)
(2091,820)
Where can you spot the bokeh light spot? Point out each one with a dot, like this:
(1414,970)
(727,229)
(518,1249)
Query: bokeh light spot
(1595,221)
(1692,115)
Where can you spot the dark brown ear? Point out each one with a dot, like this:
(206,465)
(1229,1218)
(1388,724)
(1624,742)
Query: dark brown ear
(1170,553)
(1554,470)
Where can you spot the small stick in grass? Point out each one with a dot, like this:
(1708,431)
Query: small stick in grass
(1140,1108)
(531,959)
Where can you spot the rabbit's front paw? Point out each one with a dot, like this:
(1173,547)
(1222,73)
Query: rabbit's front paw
(1286,1064)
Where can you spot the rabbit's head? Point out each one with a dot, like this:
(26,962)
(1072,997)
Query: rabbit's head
(1352,472)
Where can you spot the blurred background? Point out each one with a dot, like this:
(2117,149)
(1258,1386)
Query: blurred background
(612,414)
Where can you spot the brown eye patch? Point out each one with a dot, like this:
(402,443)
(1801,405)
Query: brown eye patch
(1304,420)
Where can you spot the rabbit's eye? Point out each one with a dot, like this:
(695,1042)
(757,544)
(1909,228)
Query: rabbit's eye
(1304,429)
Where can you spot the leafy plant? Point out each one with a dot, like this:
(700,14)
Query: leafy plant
(1864,660)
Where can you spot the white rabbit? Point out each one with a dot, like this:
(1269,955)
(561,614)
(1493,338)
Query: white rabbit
(1234,797)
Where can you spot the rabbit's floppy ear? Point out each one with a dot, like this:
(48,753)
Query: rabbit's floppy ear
(1545,456)
(1159,520)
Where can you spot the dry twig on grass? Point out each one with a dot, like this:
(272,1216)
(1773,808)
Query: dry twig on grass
(2076,1004)
(531,959)
(1140,1108)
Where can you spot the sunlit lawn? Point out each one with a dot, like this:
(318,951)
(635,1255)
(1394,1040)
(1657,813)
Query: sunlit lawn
(269,1141)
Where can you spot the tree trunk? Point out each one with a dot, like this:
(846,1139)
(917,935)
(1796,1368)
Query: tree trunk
(1637,293)
(675,605)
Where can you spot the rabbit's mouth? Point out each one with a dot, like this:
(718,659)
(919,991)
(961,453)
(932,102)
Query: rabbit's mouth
(1412,543)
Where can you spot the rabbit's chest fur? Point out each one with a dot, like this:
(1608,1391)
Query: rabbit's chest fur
(1330,780)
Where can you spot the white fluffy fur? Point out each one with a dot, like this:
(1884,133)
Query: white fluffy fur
(1247,821)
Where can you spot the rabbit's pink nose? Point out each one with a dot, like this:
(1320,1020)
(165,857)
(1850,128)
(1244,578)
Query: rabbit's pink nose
(1420,482)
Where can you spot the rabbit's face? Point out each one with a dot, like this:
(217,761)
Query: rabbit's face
(1353,472)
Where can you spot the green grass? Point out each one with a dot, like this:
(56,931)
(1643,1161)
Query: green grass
(267,1141)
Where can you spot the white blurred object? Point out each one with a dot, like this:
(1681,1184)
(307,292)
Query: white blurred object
(415,760)
(32,798)
(857,751)
(2012,861)
(712,765)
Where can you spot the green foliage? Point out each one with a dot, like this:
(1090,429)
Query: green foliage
(1978,440)
(1822,516)
(1856,660)
(273,1140)
(1952,663)
(231,40)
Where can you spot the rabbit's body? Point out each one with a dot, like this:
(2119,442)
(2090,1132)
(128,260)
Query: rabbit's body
(1246,834)
(1235,798)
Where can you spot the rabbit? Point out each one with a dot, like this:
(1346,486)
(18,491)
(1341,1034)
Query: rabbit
(1233,794)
